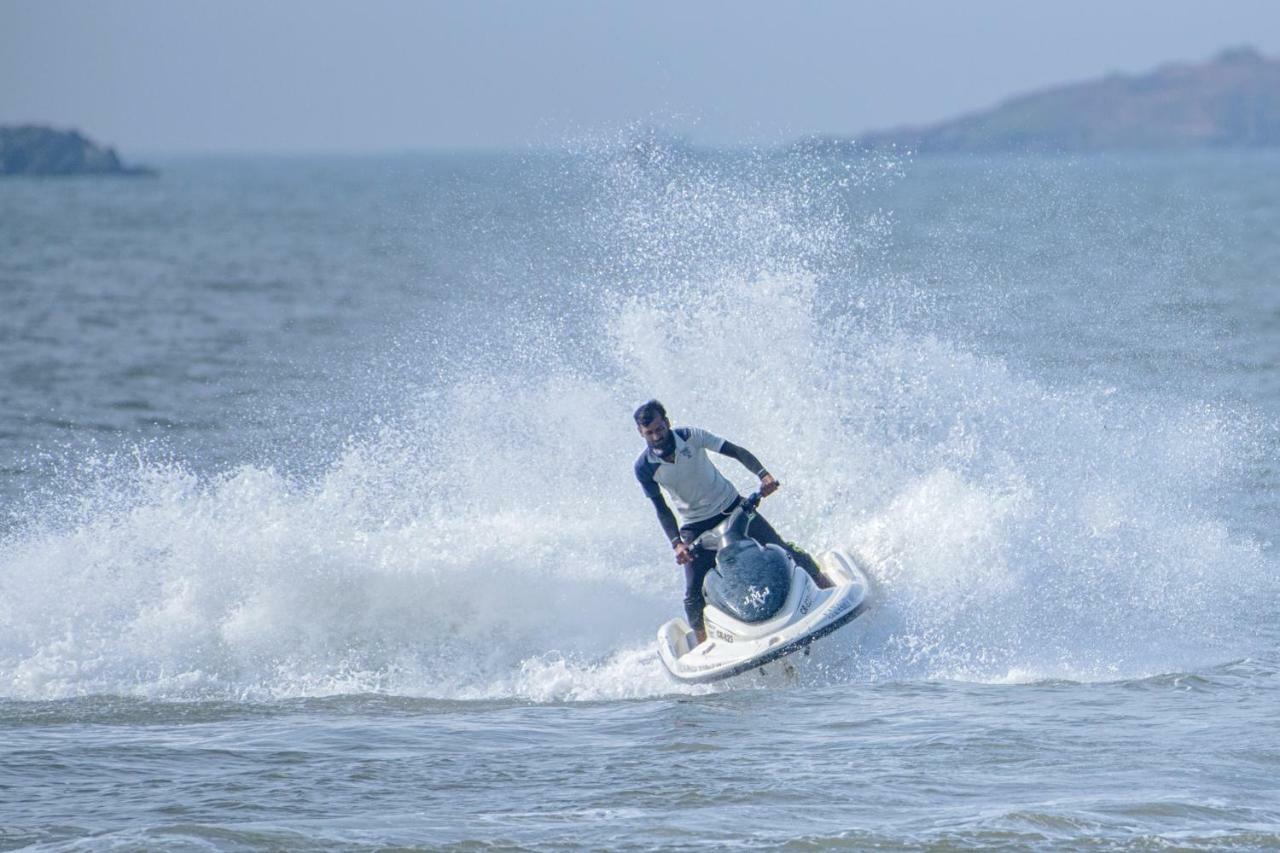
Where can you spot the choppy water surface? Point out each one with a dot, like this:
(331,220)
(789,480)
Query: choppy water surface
(319,526)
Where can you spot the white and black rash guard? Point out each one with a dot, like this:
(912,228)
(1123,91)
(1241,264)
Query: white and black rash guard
(696,487)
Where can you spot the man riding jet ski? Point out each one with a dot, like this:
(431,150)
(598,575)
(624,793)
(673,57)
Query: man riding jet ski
(761,605)
(785,606)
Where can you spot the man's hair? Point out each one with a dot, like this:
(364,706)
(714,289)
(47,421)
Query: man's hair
(649,412)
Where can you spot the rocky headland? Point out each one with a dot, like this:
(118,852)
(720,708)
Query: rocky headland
(32,149)
(1231,101)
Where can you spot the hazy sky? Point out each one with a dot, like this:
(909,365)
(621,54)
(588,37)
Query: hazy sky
(167,75)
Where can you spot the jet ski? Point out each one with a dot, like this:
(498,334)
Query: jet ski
(760,605)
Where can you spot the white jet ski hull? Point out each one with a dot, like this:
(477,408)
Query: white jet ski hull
(734,647)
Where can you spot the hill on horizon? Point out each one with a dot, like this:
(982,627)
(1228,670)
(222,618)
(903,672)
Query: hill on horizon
(1231,101)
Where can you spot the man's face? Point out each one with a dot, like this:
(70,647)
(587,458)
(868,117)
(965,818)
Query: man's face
(657,434)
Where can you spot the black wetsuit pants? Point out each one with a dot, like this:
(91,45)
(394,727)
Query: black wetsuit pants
(704,559)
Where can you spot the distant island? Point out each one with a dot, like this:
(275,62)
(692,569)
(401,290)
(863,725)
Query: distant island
(1230,101)
(32,149)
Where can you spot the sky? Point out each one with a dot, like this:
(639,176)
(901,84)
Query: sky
(183,76)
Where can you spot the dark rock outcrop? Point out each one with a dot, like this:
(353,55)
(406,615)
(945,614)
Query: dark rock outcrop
(31,149)
(1233,100)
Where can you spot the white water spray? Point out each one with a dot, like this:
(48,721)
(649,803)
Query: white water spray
(493,543)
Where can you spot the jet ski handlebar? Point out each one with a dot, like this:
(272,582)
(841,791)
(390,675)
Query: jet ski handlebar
(712,538)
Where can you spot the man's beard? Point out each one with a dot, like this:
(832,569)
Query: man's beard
(668,446)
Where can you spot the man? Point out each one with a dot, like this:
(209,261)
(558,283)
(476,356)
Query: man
(676,460)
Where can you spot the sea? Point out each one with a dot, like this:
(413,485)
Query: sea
(319,528)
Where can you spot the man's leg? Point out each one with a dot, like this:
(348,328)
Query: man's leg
(704,559)
(763,532)
(694,573)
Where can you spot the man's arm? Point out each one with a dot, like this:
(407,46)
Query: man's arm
(665,516)
(746,457)
(768,485)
